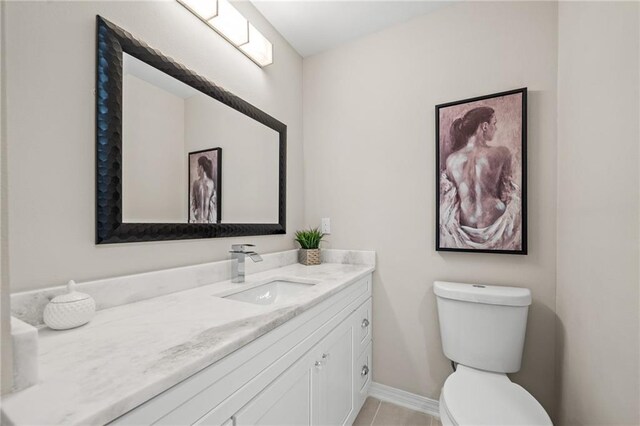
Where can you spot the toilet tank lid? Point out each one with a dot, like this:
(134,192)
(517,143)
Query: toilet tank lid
(480,293)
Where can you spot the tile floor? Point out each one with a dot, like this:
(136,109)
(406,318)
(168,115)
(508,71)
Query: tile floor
(380,413)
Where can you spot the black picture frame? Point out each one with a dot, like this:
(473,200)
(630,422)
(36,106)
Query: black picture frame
(111,42)
(523,198)
(217,179)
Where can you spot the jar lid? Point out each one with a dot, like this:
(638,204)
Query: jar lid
(71,296)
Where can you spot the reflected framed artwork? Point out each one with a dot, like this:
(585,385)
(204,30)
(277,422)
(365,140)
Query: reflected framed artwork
(481,174)
(205,194)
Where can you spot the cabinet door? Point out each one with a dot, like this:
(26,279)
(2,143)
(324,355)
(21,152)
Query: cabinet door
(288,400)
(336,376)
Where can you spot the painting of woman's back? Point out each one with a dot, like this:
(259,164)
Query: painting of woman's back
(481,179)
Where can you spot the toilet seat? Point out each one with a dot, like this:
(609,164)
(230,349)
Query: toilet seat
(476,397)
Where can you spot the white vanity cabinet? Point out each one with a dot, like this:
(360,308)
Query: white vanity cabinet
(314,369)
(322,388)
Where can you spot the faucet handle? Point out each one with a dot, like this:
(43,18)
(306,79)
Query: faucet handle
(240,247)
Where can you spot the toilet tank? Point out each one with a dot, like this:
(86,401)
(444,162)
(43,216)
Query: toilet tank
(483,326)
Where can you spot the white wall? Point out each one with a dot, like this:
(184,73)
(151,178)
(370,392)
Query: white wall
(6,357)
(598,211)
(369,165)
(50,127)
(154,179)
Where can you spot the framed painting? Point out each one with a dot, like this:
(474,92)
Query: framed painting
(481,167)
(205,190)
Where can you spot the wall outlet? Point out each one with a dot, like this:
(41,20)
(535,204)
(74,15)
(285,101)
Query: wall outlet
(326,225)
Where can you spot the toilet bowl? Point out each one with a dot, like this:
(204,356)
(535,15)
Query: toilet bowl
(483,329)
(476,397)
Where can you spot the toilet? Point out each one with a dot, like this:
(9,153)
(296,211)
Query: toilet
(482,329)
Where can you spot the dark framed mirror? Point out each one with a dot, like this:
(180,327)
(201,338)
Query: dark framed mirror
(178,157)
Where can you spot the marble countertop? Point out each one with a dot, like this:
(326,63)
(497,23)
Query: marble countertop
(131,353)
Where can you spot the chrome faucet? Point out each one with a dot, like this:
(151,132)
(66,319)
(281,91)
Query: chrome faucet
(239,253)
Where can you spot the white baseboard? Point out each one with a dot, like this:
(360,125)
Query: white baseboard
(404,399)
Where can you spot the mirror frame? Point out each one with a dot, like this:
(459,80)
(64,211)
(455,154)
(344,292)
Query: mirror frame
(111,42)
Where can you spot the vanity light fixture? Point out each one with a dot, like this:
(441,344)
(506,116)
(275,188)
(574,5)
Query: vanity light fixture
(221,16)
(230,23)
(258,48)
(203,9)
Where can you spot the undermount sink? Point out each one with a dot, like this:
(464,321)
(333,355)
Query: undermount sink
(271,292)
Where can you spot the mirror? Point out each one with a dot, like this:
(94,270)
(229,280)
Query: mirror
(187,158)
(178,156)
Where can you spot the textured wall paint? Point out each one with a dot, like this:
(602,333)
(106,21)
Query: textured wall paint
(50,124)
(369,165)
(598,211)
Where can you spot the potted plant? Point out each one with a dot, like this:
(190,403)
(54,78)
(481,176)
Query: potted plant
(309,240)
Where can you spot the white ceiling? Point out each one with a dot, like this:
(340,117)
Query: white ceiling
(313,26)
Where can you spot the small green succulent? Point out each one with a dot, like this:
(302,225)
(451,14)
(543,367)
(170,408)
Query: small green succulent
(309,239)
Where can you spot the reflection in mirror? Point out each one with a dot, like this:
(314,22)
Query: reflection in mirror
(188,158)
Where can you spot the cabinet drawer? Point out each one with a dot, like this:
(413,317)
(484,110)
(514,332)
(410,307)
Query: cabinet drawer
(363,326)
(363,371)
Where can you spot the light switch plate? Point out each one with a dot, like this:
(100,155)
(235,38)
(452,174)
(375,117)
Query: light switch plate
(326,225)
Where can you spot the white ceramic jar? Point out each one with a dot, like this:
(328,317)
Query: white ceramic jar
(69,310)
